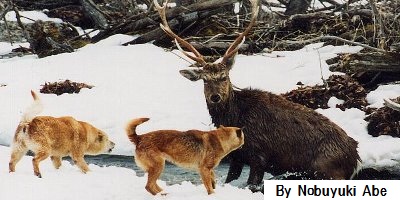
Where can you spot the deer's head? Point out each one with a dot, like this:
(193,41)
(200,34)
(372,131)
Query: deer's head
(217,85)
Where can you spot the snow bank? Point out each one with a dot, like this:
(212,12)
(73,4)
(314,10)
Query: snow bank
(30,17)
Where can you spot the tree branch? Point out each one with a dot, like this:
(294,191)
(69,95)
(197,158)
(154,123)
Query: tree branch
(329,37)
(20,24)
(3,16)
(4,12)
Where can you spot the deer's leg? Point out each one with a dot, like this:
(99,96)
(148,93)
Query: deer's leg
(235,169)
(256,176)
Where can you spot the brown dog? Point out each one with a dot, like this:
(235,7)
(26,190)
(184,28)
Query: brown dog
(56,137)
(193,149)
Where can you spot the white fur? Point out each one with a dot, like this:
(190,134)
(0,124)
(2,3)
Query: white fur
(32,111)
(357,169)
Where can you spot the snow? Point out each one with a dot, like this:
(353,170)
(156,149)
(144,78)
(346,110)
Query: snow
(143,81)
(30,17)
(6,48)
(375,98)
(333,101)
(279,72)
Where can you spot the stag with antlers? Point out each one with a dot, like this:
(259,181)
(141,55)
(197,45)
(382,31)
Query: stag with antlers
(281,136)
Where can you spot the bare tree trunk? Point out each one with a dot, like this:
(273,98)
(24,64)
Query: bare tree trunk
(379,24)
(246,7)
(297,7)
(97,16)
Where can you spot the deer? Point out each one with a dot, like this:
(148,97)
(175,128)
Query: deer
(281,136)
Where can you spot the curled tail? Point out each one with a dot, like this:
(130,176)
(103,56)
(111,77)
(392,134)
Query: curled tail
(131,129)
(33,110)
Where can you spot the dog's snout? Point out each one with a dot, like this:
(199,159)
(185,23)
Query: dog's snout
(215,98)
(111,146)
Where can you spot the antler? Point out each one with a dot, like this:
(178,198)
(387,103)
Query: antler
(234,48)
(161,11)
(391,104)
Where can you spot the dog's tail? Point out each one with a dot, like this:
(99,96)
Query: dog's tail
(131,129)
(33,110)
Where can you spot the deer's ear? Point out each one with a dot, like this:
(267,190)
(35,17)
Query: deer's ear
(191,74)
(230,61)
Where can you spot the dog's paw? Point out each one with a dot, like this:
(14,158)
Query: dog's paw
(163,193)
(39,175)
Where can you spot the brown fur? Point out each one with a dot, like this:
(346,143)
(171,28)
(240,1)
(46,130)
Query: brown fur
(56,137)
(193,149)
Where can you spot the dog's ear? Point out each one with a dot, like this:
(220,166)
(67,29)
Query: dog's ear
(221,126)
(100,138)
(239,133)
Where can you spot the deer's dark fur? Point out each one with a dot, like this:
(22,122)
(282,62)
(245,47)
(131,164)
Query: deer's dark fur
(281,136)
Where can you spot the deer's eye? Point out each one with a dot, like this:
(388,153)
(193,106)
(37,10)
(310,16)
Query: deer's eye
(223,79)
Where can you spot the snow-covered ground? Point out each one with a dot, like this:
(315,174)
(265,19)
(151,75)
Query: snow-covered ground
(143,81)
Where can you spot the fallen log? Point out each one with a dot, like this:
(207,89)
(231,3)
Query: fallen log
(370,69)
(153,18)
(218,46)
(374,61)
(184,19)
(90,9)
(44,4)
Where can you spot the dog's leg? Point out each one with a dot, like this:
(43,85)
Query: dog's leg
(39,156)
(18,151)
(56,161)
(78,158)
(81,163)
(213,179)
(154,171)
(206,176)
(152,177)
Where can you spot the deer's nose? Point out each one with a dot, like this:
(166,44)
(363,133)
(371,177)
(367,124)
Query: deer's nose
(215,98)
